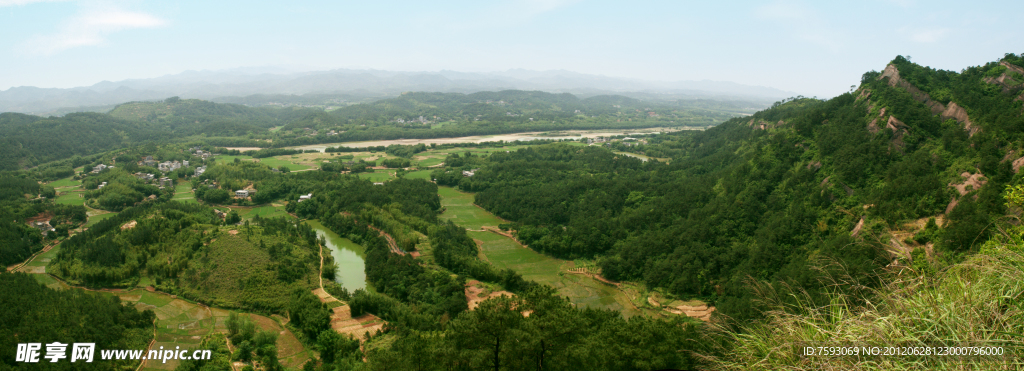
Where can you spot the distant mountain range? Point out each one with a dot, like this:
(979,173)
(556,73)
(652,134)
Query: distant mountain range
(257,86)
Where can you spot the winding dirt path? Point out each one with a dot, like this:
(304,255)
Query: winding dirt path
(45,249)
(391,241)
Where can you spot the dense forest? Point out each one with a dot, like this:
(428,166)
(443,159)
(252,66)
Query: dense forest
(67,316)
(777,196)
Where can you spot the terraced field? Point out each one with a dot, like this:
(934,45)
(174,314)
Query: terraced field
(343,322)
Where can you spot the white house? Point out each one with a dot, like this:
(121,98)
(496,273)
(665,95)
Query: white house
(242,193)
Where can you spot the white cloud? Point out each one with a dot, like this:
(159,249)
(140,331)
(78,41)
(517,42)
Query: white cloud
(90,28)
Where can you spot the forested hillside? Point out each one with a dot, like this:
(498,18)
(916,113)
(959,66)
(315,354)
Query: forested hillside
(188,117)
(27,141)
(181,249)
(800,191)
(67,316)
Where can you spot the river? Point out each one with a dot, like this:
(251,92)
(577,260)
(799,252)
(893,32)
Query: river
(572,134)
(348,257)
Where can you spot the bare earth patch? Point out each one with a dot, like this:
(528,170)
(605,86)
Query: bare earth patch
(972,180)
(473,291)
(343,322)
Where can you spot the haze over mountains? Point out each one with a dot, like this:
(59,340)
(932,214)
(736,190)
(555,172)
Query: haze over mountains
(271,84)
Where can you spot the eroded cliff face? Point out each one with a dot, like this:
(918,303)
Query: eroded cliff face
(953,111)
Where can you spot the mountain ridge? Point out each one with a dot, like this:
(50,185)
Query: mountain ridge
(211,85)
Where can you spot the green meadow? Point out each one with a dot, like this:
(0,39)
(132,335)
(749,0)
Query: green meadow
(66,182)
(276,162)
(71,198)
(459,208)
(93,219)
(377,176)
(266,211)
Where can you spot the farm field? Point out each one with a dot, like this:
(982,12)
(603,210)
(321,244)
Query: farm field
(266,211)
(419,174)
(93,219)
(183,193)
(460,209)
(279,161)
(377,175)
(180,323)
(71,198)
(231,158)
(66,182)
(503,252)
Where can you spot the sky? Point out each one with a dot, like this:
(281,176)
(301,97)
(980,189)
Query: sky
(813,48)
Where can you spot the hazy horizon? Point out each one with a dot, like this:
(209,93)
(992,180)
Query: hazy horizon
(808,48)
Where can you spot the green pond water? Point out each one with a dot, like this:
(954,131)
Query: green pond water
(348,256)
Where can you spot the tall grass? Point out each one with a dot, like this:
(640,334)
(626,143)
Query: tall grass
(974,303)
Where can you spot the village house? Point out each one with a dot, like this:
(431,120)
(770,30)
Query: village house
(241,193)
(43,226)
(469,173)
(305,197)
(99,168)
(200,170)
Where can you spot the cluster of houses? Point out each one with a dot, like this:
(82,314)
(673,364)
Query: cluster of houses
(201,153)
(627,141)
(98,168)
(104,184)
(172,165)
(144,176)
(163,166)
(200,170)
(420,120)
